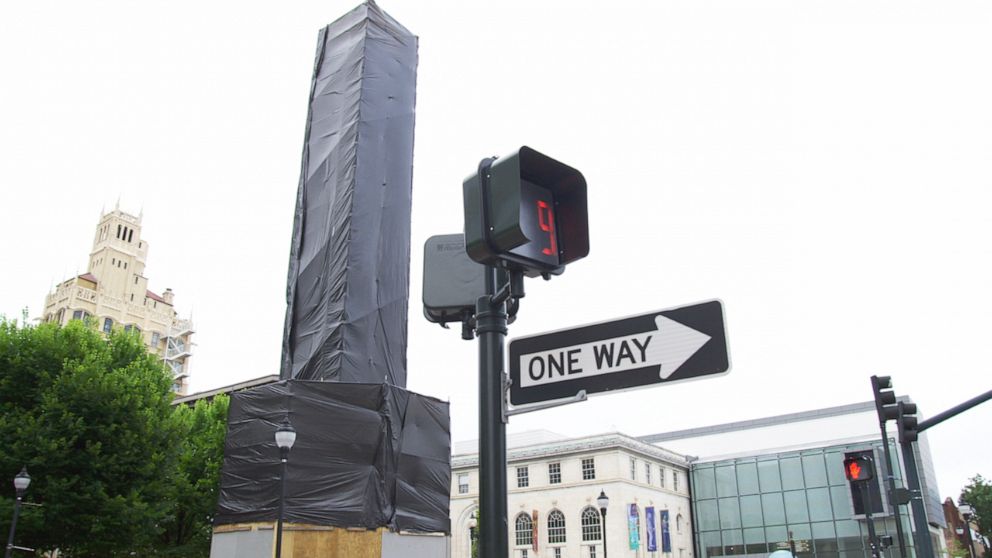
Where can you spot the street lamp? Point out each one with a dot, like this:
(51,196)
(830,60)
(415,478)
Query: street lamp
(285,437)
(21,483)
(472,536)
(604,502)
(967,512)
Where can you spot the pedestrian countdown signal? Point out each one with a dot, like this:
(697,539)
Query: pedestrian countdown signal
(526,212)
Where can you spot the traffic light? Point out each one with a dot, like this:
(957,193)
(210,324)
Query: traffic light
(526,212)
(885,398)
(858,468)
(907,422)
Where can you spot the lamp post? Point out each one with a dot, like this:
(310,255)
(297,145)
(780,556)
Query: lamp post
(285,437)
(604,502)
(472,536)
(21,483)
(967,512)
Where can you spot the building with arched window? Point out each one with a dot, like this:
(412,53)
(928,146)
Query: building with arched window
(553,485)
(113,293)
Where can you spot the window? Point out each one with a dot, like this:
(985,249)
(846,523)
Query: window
(678,523)
(127,328)
(557,552)
(590,525)
(554,473)
(661,476)
(592,552)
(135,282)
(155,338)
(523,477)
(633,469)
(523,553)
(647,473)
(556,527)
(462,477)
(588,469)
(675,481)
(107,324)
(77,314)
(525,529)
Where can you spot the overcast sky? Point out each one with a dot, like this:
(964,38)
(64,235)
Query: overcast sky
(821,167)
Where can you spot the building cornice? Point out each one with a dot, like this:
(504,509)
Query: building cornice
(577,446)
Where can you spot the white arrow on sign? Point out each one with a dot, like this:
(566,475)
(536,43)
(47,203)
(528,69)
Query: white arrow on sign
(669,346)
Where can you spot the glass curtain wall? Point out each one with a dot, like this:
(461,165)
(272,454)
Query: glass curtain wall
(750,506)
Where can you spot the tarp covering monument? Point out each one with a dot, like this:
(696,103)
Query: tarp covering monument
(368,453)
(349,268)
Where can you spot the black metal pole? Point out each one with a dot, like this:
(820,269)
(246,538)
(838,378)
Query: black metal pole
(892,490)
(924,547)
(282,499)
(866,499)
(603,511)
(491,330)
(955,410)
(13,526)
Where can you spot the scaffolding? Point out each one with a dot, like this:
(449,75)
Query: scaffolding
(178,349)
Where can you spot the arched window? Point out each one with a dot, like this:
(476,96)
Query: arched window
(678,523)
(590,525)
(556,527)
(525,529)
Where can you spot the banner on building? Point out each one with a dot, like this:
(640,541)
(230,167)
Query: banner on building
(666,537)
(533,535)
(650,532)
(633,527)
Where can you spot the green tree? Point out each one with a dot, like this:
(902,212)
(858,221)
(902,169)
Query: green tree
(196,481)
(978,494)
(90,417)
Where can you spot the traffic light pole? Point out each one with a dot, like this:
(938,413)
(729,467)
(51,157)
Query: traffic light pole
(892,490)
(491,321)
(924,546)
(866,498)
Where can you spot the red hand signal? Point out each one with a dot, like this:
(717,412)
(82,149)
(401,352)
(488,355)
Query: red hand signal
(854,471)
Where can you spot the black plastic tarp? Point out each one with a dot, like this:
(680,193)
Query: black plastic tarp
(365,456)
(348,287)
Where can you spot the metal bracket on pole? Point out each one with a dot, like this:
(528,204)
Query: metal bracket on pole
(508,412)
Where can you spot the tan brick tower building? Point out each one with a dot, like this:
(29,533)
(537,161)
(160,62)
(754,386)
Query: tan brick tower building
(114,293)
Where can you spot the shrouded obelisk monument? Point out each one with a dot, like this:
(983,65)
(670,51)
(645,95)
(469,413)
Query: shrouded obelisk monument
(368,454)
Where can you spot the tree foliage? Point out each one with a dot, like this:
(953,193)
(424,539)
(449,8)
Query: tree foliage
(116,468)
(194,489)
(978,494)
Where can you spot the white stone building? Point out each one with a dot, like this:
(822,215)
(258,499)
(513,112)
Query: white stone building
(553,483)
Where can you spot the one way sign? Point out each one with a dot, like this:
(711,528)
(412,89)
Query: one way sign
(658,347)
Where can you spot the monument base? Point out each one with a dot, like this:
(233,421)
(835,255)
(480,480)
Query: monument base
(257,540)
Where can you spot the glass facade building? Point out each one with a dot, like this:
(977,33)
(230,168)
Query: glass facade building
(755,482)
(753,506)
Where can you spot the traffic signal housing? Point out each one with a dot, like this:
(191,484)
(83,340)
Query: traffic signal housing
(526,212)
(885,398)
(907,422)
(859,468)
